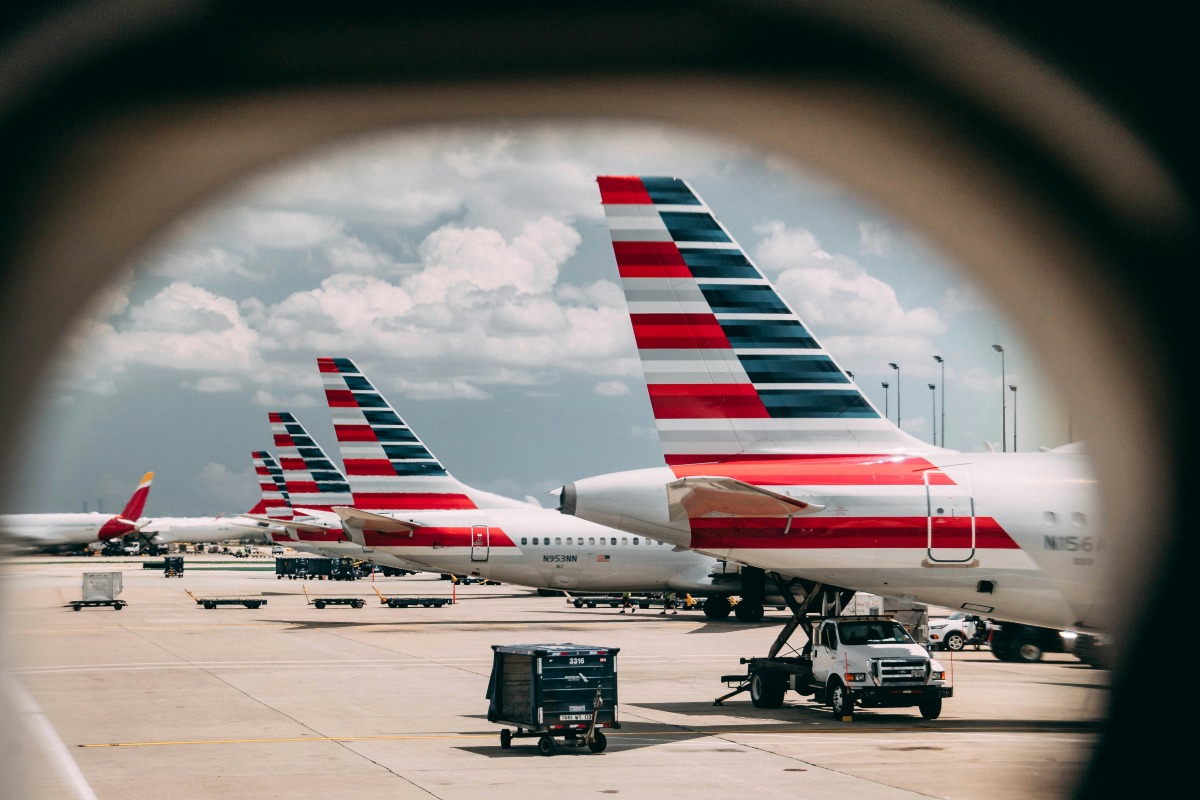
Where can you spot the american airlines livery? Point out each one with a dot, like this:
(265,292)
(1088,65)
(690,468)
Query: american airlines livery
(39,531)
(406,503)
(775,458)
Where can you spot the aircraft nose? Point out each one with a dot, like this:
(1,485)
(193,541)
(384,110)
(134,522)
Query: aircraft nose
(567,499)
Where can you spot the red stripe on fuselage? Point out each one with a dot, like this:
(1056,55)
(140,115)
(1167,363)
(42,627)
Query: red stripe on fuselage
(706,400)
(823,470)
(435,537)
(401,501)
(650,260)
(623,190)
(851,533)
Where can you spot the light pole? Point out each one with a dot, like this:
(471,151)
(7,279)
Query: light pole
(1013,387)
(885,400)
(895,367)
(1003,402)
(939,360)
(933,411)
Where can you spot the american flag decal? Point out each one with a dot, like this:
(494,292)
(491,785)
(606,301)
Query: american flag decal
(602,558)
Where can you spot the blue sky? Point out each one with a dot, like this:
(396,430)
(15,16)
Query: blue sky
(469,273)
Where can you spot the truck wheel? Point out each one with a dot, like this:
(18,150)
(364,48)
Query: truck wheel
(931,706)
(319,604)
(748,611)
(717,607)
(506,738)
(597,744)
(954,641)
(547,745)
(578,604)
(767,688)
(359,603)
(838,697)
(210,605)
(77,606)
(1027,651)
(118,606)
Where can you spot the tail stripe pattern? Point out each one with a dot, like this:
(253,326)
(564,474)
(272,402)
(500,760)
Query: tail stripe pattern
(731,370)
(311,479)
(387,464)
(275,501)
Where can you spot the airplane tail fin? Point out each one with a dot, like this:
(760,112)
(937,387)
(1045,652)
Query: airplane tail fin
(311,480)
(137,502)
(731,369)
(274,502)
(387,464)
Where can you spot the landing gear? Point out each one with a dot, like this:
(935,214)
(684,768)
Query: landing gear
(717,607)
(748,611)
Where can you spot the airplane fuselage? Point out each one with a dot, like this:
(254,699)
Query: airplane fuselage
(1016,536)
(49,530)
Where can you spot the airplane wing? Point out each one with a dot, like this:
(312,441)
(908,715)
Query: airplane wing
(700,496)
(280,523)
(356,518)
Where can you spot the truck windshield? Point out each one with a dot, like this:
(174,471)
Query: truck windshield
(873,633)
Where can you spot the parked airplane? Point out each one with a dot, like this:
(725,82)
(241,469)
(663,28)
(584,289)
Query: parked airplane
(776,458)
(48,531)
(406,503)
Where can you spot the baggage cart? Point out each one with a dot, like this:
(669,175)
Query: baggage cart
(563,694)
(213,602)
(321,602)
(100,589)
(173,567)
(408,602)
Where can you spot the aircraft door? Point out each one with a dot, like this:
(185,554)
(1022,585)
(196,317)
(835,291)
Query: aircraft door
(481,542)
(951,519)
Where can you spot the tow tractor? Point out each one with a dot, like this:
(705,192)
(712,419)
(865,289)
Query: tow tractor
(870,661)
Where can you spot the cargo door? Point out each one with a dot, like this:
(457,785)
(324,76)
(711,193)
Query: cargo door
(481,542)
(951,519)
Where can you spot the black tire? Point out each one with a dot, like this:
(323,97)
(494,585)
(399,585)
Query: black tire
(767,688)
(838,698)
(954,641)
(359,603)
(319,604)
(578,604)
(717,607)
(77,606)
(748,611)
(118,606)
(1027,651)
(931,706)
(210,605)
(547,745)
(599,743)
(505,738)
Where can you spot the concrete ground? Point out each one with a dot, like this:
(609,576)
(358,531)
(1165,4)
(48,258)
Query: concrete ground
(166,698)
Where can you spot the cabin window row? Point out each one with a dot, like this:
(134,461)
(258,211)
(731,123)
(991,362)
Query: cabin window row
(591,540)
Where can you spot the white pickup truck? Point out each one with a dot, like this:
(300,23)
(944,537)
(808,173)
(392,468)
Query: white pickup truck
(864,661)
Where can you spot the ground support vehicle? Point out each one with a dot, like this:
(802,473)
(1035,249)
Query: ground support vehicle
(321,602)
(613,600)
(562,694)
(1093,649)
(958,631)
(100,589)
(869,661)
(408,602)
(173,567)
(213,602)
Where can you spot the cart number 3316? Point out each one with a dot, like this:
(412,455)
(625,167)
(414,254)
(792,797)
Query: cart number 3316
(576,661)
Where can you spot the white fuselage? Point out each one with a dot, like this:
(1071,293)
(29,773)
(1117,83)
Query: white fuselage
(52,530)
(1013,536)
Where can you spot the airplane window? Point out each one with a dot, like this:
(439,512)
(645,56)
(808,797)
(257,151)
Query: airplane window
(624,540)
(636,541)
(535,540)
(614,540)
(523,540)
(591,540)
(557,540)
(570,540)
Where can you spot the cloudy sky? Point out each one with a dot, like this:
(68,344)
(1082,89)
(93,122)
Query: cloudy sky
(470,274)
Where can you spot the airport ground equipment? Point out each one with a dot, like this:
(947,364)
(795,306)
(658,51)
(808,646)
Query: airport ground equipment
(613,600)
(321,602)
(173,567)
(870,661)
(408,602)
(1011,641)
(213,602)
(101,589)
(562,694)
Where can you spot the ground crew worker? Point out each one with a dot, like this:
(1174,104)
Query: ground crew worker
(669,602)
(626,604)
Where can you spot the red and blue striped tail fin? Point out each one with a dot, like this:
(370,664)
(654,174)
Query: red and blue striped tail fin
(732,371)
(274,502)
(311,479)
(387,464)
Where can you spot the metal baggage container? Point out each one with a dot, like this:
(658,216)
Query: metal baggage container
(101,587)
(553,691)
